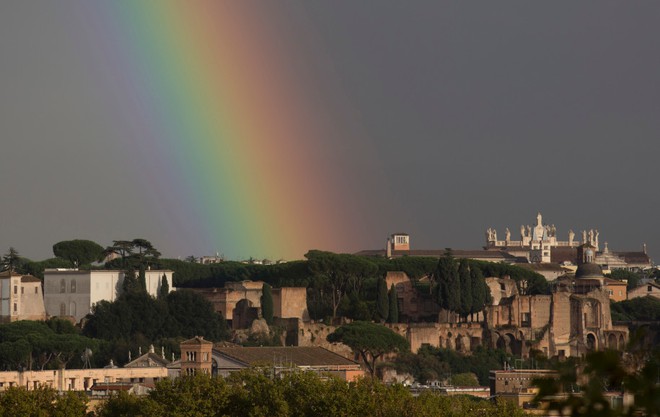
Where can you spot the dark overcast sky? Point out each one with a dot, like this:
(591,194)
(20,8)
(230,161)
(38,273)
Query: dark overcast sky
(469,115)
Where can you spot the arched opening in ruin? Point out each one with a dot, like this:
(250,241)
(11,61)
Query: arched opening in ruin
(591,342)
(508,343)
(622,342)
(243,314)
(460,344)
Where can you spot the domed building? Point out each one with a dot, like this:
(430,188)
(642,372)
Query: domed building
(573,320)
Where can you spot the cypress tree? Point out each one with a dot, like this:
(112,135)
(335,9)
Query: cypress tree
(393,314)
(449,284)
(480,291)
(130,282)
(466,288)
(267,304)
(142,280)
(164,288)
(382,302)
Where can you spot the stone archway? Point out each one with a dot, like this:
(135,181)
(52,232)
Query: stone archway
(508,343)
(242,314)
(460,343)
(622,342)
(591,342)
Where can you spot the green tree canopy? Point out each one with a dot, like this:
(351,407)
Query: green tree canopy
(37,345)
(164,287)
(382,301)
(480,291)
(466,288)
(448,284)
(10,260)
(636,309)
(632,278)
(78,251)
(267,304)
(370,340)
(340,273)
(393,315)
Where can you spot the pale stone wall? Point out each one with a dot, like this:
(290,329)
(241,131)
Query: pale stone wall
(32,302)
(68,292)
(501,288)
(153,279)
(561,322)
(413,305)
(315,334)
(644,290)
(290,302)
(79,379)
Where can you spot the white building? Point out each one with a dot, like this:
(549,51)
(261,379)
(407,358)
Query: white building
(73,293)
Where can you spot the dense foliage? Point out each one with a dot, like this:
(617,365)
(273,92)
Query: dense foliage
(43,401)
(432,363)
(630,277)
(267,304)
(137,319)
(636,309)
(370,340)
(36,345)
(602,373)
(460,286)
(78,252)
(256,393)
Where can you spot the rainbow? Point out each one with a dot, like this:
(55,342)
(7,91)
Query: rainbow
(221,128)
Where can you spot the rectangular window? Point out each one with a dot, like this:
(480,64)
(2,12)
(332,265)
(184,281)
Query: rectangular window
(15,307)
(526,319)
(22,290)
(36,290)
(16,289)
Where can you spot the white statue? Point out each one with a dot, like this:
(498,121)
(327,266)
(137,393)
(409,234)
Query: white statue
(571,235)
(508,234)
(522,232)
(584,236)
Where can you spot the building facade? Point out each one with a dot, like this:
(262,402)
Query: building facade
(21,298)
(73,293)
(240,302)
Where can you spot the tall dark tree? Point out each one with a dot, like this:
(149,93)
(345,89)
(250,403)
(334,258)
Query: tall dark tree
(142,279)
(145,252)
(164,287)
(267,304)
(130,283)
(447,279)
(78,251)
(480,291)
(10,260)
(466,288)
(382,302)
(393,314)
(123,248)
